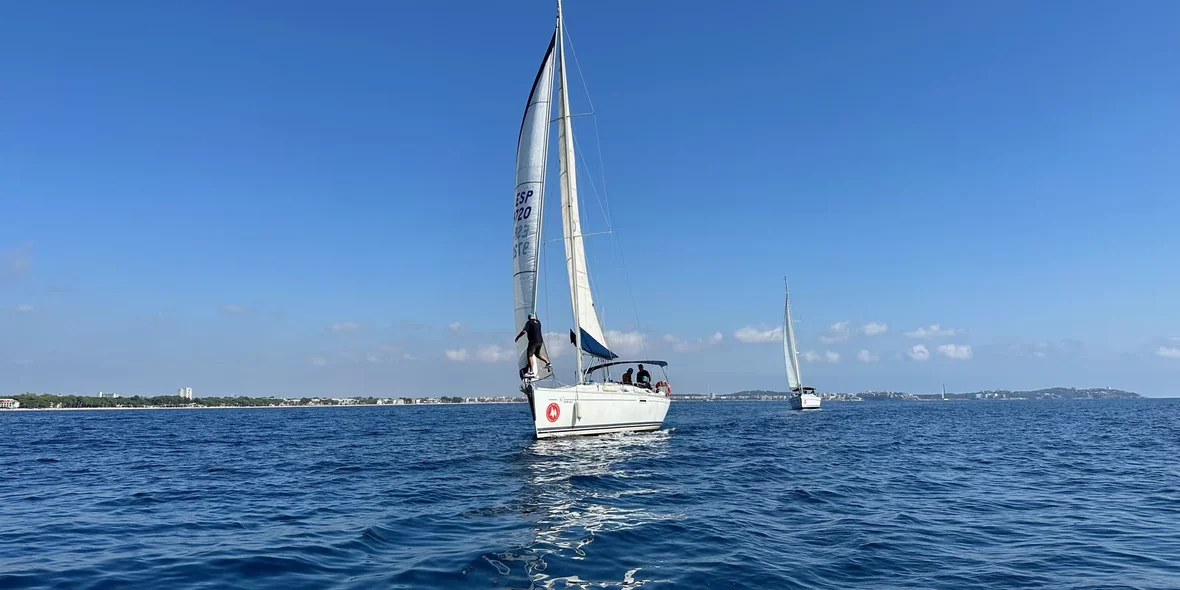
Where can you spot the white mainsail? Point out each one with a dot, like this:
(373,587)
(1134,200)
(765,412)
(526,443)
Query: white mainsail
(528,201)
(587,328)
(790,350)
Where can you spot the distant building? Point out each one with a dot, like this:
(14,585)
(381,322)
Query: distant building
(185,393)
(9,404)
(108,394)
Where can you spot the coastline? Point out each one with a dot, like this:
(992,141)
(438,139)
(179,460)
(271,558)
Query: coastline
(1011,399)
(248,407)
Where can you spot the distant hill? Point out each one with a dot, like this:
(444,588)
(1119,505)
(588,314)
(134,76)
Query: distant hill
(1050,393)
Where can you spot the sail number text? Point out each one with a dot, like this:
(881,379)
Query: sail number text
(523,209)
(520,249)
(523,232)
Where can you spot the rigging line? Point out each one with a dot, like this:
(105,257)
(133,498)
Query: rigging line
(603,202)
(594,117)
(579,154)
(593,187)
(605,196)
(597,139)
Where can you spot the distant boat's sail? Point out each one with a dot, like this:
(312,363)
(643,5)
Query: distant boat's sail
(528,200)
(790,351)
(590,335)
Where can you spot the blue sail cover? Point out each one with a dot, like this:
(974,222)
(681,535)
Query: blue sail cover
(593,347)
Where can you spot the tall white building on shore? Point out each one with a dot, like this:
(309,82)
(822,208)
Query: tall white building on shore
(185,393)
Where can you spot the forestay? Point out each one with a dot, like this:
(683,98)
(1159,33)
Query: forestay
(531,154)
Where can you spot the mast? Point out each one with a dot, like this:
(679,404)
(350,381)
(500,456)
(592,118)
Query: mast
(568,178)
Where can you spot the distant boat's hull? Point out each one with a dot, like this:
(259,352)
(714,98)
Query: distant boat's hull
(807,401)
(595,408)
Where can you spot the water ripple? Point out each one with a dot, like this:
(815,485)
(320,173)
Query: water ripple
(735,495)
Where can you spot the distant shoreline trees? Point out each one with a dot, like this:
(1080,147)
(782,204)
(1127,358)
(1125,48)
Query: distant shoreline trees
(50,401)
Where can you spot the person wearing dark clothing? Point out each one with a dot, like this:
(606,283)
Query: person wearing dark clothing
(532,328)
(643,378)
(627,377)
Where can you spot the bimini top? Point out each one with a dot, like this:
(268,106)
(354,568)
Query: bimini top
(804,389)
(611,364)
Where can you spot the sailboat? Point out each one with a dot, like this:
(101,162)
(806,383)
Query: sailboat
(593,404)
(802,398)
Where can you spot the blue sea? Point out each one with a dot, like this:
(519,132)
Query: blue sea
(962,495)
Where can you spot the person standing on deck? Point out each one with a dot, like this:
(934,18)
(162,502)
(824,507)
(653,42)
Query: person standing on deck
(532,328)
(643,378)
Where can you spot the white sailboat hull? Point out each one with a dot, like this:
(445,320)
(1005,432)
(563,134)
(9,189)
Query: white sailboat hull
(806,401)
(596,408)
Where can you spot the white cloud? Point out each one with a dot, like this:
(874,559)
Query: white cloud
(875,328)
(1169,352)
(557,344)
(750,334)
(318,361)
(837,332)
(865,356)
(626,343)
(494,353)
(455,326)
(345,327)
(960,352)
(932,331)
(23,362)
(383,353)
(409,357)
(919,353)
(459,355)
(24,307)
(233,308)
(812,356)
(681,345)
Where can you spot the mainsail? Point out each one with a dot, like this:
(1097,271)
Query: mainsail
(790,351)
(589,335)
(529,198)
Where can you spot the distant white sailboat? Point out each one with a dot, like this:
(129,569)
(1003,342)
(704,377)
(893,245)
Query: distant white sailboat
(593,404)
(802,398)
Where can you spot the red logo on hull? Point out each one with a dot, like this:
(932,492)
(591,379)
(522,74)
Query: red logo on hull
(553,412)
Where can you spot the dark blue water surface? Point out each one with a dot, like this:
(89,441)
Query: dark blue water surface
(956,495)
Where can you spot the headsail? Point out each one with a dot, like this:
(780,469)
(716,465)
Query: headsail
(588,328)
(790,351)
(529,198)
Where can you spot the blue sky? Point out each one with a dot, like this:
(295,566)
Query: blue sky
(289,198)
